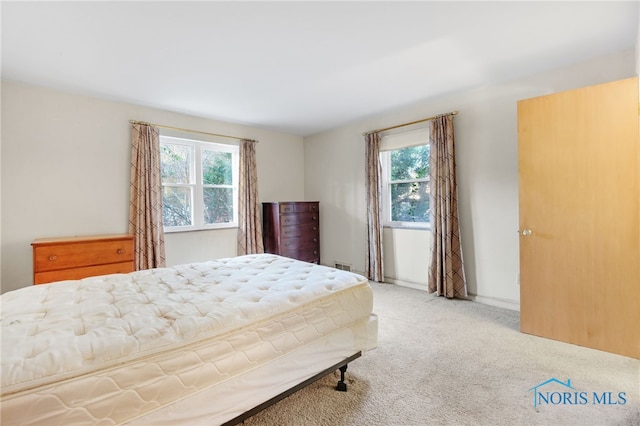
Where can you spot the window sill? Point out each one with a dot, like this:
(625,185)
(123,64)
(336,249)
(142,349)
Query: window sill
(178,231)
(413,227)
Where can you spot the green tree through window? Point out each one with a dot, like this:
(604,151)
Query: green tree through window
(408,184)
(177,190)
(199,184)
(217,180)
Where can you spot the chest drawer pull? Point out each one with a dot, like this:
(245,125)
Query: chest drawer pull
(53,258)
(120,251)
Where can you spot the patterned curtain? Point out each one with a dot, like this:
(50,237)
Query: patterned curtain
(145,197)
(374,266)
(446,273)
(249,224)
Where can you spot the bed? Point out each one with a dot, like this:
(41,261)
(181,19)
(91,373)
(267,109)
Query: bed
(203,343)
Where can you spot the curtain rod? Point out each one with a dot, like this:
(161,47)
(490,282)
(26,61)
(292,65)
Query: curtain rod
(191,131)
(410,123)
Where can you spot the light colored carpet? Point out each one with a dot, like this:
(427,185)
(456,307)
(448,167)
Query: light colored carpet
(452,362)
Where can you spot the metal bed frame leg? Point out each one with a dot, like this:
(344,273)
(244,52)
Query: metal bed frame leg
(342,386)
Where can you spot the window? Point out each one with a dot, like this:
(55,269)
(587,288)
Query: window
(199,184)
(405,180)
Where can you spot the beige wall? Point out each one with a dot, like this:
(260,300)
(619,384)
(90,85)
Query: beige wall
(406,251)
(486,144)
(65,171)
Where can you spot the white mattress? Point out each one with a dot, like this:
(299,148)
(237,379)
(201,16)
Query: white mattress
(106,350)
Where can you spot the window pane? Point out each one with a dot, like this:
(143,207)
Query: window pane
(216,167)
(410,163)
(176,163)
(218,205)
(410,202)
(176,206)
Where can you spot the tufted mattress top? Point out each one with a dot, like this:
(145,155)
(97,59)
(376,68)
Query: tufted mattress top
(72,328)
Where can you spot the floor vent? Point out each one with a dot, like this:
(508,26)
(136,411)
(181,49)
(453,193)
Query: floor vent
(342,266)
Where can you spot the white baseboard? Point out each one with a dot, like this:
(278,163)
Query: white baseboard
(492,301)
(416,286)
(496,301)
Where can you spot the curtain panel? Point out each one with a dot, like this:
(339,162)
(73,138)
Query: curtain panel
(446,272)
(145,197)
(249,219)
(374,261)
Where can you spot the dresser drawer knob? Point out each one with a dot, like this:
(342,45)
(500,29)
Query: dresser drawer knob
(315,228)
(315,218)
(53,258)
(315,240)
(120,251)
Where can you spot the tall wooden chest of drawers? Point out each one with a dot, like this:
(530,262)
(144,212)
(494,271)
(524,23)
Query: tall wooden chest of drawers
(73,258)
(292,229)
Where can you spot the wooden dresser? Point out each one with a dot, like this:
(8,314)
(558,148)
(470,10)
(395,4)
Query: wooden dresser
(73,258)
(292,229)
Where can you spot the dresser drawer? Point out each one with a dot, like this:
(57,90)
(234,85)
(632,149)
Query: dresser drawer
(298,219)
(85,272)
(299,207)
(310,254)
(295,243)
(79,254)
(308,229)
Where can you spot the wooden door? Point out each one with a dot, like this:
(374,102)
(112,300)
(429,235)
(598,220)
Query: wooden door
(579,165)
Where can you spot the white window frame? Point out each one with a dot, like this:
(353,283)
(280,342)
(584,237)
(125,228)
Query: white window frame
(197,185)
(385,162)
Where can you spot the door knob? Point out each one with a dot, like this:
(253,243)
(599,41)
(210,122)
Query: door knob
(526,232)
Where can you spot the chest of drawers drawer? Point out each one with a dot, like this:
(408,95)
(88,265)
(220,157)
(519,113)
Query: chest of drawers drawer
(308,230)
(87,253)
(299,207)
(289,219)
(82,272)
(308,254)
(293,243)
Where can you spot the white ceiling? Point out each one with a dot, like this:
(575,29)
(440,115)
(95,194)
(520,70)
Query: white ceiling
(299,67)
